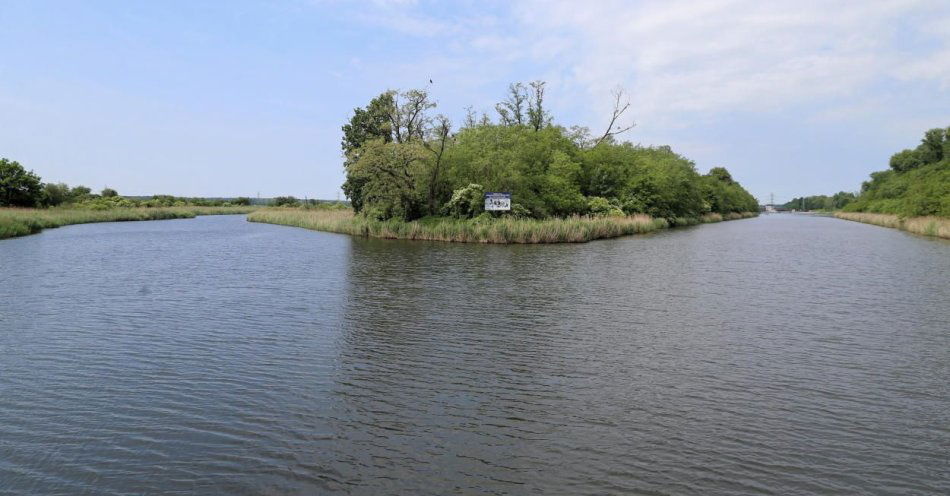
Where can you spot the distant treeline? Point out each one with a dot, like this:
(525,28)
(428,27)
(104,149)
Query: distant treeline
(821,202)
(917,183)
(22,188)
(403,163)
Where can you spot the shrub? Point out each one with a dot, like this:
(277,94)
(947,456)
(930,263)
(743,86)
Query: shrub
(55,194)
(598,206)
(19,187)
(466,202)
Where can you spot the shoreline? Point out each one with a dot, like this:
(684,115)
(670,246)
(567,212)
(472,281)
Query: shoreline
(17,222)
(495,231)
(938,227)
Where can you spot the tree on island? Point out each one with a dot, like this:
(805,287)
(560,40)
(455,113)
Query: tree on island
(402,163)
(18,186)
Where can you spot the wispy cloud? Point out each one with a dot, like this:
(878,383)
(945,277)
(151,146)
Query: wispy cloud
(696,57)
(745,55)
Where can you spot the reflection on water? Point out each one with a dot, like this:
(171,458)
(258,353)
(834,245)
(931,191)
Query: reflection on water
(785,354)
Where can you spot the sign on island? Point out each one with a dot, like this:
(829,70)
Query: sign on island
(497,201)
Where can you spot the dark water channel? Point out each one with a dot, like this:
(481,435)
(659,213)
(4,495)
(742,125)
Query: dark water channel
(779,355)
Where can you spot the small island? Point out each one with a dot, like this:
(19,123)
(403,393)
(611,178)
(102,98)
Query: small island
(410,175)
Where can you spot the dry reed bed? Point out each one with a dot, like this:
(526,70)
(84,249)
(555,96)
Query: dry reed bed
(504,230)
(927,226)
(23,221)
(715,217)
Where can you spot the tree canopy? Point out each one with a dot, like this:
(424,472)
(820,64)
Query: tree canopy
(402,163)
(18,186)
(821,202)
(917,183)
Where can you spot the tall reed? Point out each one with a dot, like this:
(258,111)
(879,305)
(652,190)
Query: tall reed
(927,226)
(502,230)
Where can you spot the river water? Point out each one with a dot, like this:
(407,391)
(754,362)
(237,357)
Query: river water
(780,355)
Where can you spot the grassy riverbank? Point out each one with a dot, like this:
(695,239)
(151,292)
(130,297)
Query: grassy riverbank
(503,230)
(927,226)
(23,221)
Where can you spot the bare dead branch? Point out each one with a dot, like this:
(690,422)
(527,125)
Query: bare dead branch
(620,106)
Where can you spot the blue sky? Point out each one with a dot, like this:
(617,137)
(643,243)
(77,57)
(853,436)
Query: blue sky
(245,97)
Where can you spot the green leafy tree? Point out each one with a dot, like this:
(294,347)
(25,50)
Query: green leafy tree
(599,206)
(369,123)
(722,194)
(721,174)
(905,160)
(930,149)
(403,164)
(466,202)
(390,174)
(399,117)
(917,184)
(19,187)
(108,193)
(439,139)
(56,194)
(79,193)
(512,110)
(538,116)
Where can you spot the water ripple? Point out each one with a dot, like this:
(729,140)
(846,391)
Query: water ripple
(779,355)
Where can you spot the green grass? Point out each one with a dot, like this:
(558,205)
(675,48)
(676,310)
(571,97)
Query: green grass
(927,226)
(502,230)
(23,221)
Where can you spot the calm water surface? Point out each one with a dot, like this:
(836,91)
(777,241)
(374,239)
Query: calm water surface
(779,355)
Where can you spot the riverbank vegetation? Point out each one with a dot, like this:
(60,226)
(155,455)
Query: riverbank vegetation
(916,185)
(401,163)
(24,221)
(404,165)
(914,194)
(821,203)
(27,205)
(482,229)
(22,188)
(927,226)
(575,229)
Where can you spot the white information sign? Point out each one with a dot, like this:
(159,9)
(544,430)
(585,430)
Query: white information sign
(497,201)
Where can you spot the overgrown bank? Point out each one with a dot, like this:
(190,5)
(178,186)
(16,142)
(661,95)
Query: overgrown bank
(927,226)
(24,221)
(913,194)
(917,184)
(404,164)
(577,229)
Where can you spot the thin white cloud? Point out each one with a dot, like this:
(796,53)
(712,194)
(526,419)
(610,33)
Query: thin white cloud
(695,57)
(728,55)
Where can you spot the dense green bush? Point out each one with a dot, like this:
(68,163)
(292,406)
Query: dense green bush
(401,164)
(917,184)
(55,194)
(821,202)
(466,202)
(285,201)
(18,186)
